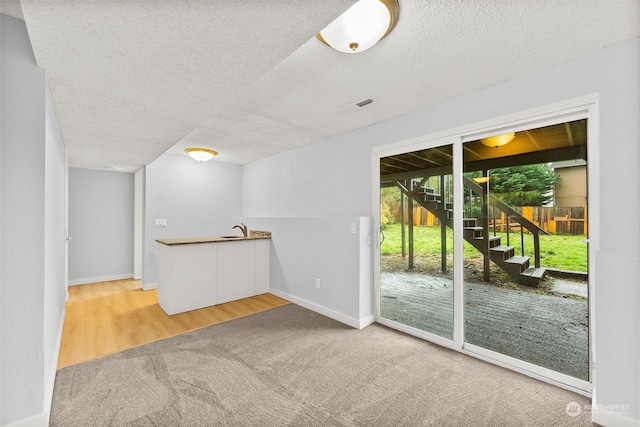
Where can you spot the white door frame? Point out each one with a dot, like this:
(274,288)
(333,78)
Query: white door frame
(138,223)
(573,109)
(65,279)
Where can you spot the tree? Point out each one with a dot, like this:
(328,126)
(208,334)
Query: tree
(389,199)
(529,185)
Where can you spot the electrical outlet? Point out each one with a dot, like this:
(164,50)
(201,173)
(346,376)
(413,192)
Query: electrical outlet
(317,283)
(160,222)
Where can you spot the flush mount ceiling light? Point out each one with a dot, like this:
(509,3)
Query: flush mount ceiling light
(498,140)
(110,167)
(201,154)
(481,179)
(361,26)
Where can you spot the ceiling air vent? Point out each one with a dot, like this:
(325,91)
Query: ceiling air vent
(365,102)
(357,106)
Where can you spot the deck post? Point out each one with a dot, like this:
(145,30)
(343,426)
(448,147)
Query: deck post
(410,220)
(443,228)
(402,225)
(485,229)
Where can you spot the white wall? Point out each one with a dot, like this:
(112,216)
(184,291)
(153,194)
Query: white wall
(332,179)
(30,226)
(306,249)
(196,199)
(101,206)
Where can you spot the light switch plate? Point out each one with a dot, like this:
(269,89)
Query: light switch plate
(354,227)
(160,222)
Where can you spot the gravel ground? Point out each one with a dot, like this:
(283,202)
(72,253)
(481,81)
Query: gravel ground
(548,329)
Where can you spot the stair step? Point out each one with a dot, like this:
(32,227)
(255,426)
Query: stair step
(533,272)
(491,239)
(469,222)
(426,190)
(501,252)
(518,260)
(503,248)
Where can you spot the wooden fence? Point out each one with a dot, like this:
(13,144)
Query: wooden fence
(555,220)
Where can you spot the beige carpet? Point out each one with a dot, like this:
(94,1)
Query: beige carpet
(292,367)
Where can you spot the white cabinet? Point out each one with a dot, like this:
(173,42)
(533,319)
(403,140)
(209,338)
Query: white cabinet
(186,277)
(236,272)
(199,274)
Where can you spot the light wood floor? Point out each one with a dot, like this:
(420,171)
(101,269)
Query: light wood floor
(107,317)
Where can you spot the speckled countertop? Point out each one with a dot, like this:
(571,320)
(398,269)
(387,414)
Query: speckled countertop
(253,235)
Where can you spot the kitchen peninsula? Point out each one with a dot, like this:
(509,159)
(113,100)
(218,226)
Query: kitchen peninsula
(200,272)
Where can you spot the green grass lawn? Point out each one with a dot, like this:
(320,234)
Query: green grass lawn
(557,251)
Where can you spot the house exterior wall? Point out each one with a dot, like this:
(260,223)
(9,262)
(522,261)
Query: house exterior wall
(571,191)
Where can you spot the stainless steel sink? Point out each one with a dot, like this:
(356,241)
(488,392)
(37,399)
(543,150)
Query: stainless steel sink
(231,237)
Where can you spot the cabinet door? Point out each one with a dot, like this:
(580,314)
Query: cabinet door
(235,271)
(186,277)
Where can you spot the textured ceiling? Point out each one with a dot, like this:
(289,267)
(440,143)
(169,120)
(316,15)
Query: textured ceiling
(133,79)
(11,8)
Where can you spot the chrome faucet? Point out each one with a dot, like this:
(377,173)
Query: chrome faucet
(242,228)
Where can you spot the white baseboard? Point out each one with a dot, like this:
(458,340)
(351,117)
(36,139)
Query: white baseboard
(40,420)
(48,392)
(149,286)
(347,320)
(609,419)
(88,280)
(366,321)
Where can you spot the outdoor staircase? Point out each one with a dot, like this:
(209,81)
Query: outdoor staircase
(502,255)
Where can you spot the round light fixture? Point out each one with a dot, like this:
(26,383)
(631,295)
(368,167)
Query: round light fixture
(201,154)
(481,179)
(498,140)
(361,26)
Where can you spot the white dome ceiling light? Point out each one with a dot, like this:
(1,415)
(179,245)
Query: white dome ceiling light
(201,154)
(363,25)
(498,140)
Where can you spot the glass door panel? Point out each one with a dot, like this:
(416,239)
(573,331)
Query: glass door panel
(416,253)
(525,256)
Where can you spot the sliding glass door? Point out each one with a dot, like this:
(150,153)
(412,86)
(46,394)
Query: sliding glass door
(510,208)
